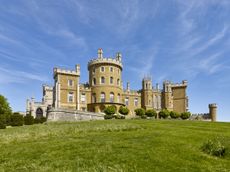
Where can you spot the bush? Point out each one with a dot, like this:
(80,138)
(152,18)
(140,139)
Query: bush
(185,115)
(39,120)
(2,121)
(110,110)
(164,113)
(28,119)
(16,119)
(140,112)
(151,113)
(123,110)
(214,147)
(108,116)
(119,117)
(174,115)
(143,117)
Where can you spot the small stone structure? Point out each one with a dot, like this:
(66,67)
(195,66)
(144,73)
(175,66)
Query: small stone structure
(55,114)
(213,111)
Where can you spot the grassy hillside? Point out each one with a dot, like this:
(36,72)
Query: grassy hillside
(115,145)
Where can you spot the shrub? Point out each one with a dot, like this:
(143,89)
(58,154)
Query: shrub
(28,119)
(140,112)
(108,116)
(110,110)
(143,116)
(214,147)
(119,117)
(151,113)
(164,113)
(123,110)
(185,115)
(16,119)
(39,120)
(2,121)
(174,115)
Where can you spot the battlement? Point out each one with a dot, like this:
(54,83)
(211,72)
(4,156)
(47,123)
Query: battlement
(66,71)
(183,84)
(132,92)
(212,105)
(47,87)
(109,60)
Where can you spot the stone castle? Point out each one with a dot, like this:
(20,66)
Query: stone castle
(104,88)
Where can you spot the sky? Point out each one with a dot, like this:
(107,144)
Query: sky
(168,40)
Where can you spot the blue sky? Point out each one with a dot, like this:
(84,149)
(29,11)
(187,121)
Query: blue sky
(169,40)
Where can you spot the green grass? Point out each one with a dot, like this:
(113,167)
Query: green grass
(113,145)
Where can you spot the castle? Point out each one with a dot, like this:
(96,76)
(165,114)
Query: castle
(104,88)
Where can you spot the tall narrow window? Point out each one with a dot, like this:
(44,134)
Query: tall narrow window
(126,101)
(118,98)
(111,97)
(70,83)
(83,98)
(94,81)
(118,81)
(136,102)
(102,97)
(111,69)
(102,69)
(111,80)
(94,100)
(70,97)
(102,80)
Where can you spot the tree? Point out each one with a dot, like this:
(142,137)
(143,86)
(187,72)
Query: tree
(123,110)
(164,113)
(174,115)
(5,109)
(2,122)
(140,112)
(151,113)
(185,115)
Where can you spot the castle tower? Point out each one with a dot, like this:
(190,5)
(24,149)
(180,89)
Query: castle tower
(167,96)
(147,93)
(213,111)
(105,82)
(66,88)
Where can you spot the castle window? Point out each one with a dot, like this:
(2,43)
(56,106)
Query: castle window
(111,69)
(102,97)
(94,99)
(111,80)
(102,69)
(136,102)
(94,81)
(118,81)
(126,101)
(102,80)
(70,97)
(118,98)
(111,97)
(70,83)
(83,98)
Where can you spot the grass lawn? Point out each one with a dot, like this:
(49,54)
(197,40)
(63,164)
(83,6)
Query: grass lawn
(113,145)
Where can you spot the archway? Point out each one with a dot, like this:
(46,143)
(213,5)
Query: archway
(39,113)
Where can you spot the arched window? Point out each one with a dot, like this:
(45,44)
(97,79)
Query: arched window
(111,97)
(136,102)
(118,81)
(94,99)
(118,98)
(39,113)
(102,97)
(111,80)
(126,101)
(102,80)
(94,81)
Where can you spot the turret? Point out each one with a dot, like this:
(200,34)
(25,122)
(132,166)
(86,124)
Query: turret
(213,111)
(147,83)
(100,53)
(128,86)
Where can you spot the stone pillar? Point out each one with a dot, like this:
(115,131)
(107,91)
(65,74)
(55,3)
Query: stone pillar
(213,111)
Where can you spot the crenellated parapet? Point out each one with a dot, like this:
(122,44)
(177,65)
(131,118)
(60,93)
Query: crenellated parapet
(66,71)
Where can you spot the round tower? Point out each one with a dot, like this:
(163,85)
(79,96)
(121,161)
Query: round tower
(105,82)
(213,111)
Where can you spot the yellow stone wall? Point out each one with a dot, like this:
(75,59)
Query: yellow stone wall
(179,99)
